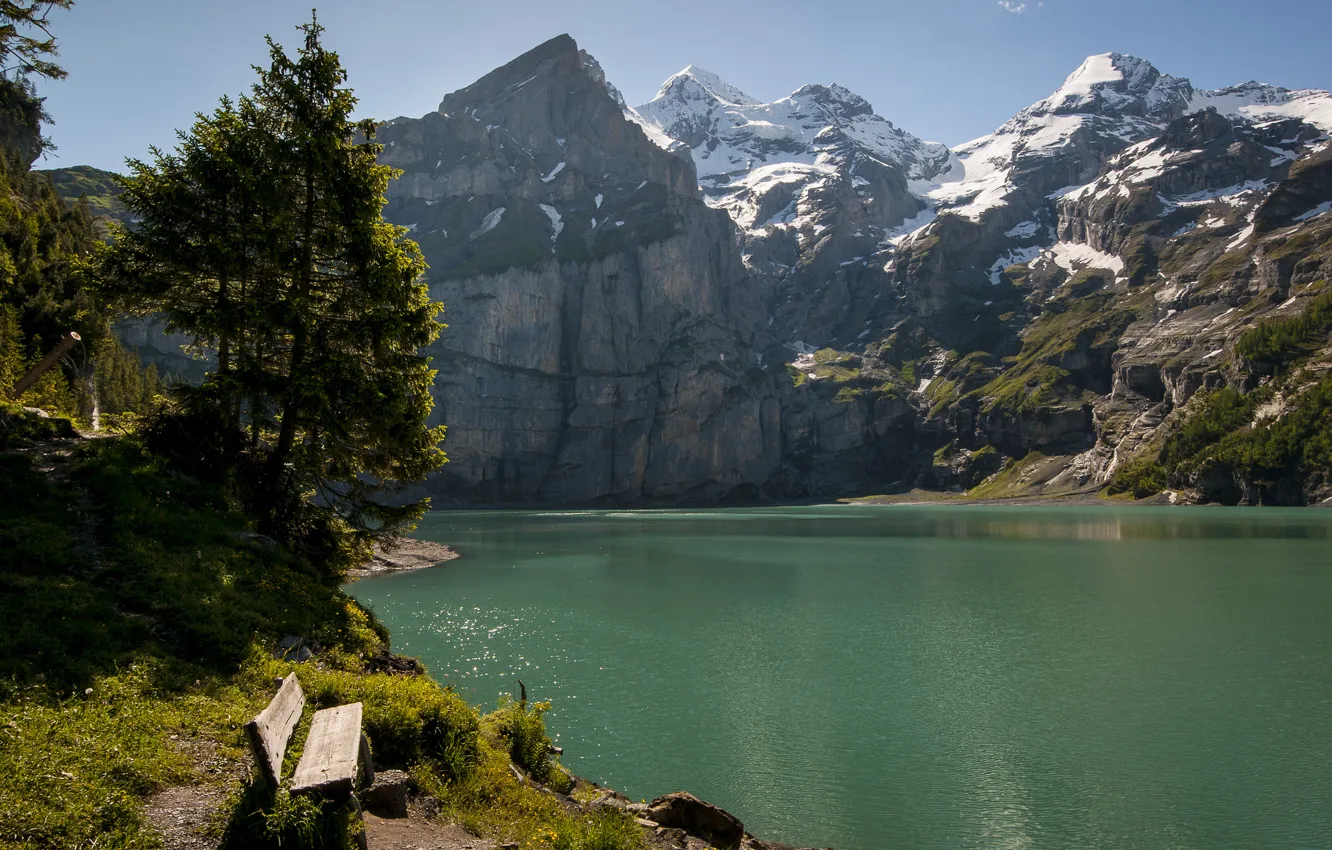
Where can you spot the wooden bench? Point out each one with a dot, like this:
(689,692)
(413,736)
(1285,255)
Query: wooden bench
(334,750)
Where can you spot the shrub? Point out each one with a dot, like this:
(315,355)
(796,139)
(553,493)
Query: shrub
(408,719)
(521,725)
(1141,477)
(262,819)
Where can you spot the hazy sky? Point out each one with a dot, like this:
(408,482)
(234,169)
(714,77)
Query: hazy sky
(947,70)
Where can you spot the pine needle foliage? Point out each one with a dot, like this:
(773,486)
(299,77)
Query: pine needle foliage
(261,236)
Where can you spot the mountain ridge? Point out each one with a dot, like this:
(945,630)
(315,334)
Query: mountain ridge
(710,297)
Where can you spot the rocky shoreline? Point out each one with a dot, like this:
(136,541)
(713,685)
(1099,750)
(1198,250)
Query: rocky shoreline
(406,555)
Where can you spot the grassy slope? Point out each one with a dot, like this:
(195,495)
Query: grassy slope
(137,627)
(98,186)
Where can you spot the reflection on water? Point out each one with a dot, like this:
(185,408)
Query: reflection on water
(913,676)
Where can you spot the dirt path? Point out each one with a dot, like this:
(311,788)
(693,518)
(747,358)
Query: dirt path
(416,832)
(183,814)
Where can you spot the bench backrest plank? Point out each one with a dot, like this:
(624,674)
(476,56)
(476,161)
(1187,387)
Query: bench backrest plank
(268,733)
(328,763)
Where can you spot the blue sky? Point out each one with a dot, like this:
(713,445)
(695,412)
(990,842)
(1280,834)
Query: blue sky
(947,70)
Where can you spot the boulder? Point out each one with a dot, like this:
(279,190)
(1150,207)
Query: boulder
(387,797)
(683,810)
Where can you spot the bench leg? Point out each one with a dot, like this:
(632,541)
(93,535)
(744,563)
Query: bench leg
(355,805)
(367,764)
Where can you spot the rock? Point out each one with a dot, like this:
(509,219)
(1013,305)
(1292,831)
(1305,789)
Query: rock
(430,807)
(387,797)
(404,555)
(293,648)
(585,359)
(682,810)
(384,661)
(670,837)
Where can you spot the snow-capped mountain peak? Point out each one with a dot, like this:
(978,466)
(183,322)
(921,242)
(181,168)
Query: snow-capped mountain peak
(1117,84)
(778,164)
(700,85)
(1079,86)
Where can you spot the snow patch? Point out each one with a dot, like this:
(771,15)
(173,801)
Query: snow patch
(553,173)
(1079,85)
(488,223)
(556,222)
(1015,257)
(1322,209)
(1074,257)
(1241,238)
(1024,230)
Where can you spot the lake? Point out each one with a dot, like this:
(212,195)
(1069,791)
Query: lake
(914,677)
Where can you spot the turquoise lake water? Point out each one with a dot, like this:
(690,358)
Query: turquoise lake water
(868,678)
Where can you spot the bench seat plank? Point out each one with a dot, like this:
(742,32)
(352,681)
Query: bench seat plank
(268,733)
(328,763)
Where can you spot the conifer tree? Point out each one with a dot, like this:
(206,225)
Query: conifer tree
(26,42)
(262,237)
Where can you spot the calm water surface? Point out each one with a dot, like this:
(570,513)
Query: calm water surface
(870,678)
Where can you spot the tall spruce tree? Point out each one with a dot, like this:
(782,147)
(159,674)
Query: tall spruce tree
(262,237)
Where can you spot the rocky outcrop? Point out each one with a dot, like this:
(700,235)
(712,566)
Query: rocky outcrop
(682,810)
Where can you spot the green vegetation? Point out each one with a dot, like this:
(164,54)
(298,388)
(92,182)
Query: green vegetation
(44,250)
(836,366)
(908,342)
(798,378)
(46,245)
(960,379)
(1046,372)
(1226,268)
(262,238)
(139,608)
(1008,481)
(1141,477)
(1281,341)
(1221,445)
(519,724)
(126,389)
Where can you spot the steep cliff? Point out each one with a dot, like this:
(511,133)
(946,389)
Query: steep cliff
(603,330)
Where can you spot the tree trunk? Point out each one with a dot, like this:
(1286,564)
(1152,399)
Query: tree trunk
(300,338)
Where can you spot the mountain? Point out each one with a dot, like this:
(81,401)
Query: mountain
(603,330)
(99,187)
(710,297)
(816,182)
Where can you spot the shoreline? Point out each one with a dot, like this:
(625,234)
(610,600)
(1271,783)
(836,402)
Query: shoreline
(407,555)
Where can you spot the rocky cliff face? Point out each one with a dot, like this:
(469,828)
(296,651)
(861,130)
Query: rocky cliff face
(603,330)
(1037,289)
